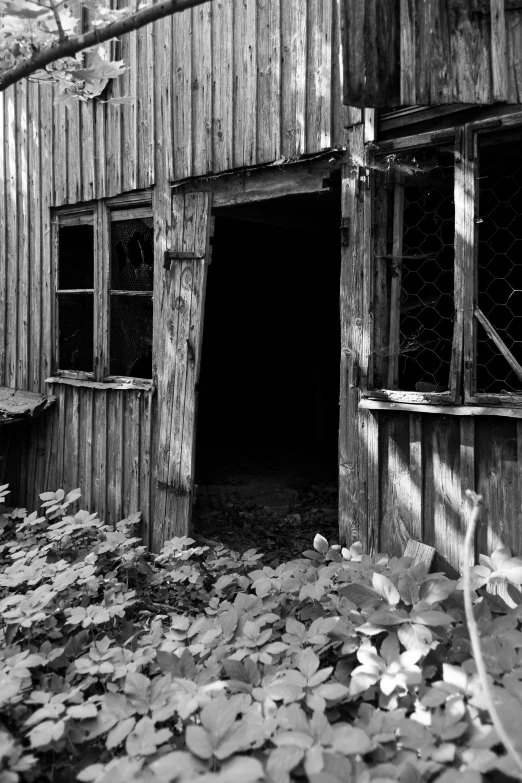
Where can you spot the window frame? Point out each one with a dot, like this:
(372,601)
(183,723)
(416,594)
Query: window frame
(450,137)
(102,214)
(462,394)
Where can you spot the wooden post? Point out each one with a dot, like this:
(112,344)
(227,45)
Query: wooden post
(355,329)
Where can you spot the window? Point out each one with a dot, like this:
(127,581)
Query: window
(446,313)
(104,286)
(414,258)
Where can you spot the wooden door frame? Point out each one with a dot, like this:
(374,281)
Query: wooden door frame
(313,175)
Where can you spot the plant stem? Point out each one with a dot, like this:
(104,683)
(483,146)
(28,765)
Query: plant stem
(474,633)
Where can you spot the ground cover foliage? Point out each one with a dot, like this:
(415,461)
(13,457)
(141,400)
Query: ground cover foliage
(203,664)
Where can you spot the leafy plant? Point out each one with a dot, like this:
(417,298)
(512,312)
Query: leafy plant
(203,664)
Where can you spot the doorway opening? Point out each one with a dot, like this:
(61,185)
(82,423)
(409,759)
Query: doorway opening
(268,402)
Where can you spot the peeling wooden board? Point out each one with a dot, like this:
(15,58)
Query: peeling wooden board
(18,404)
(420,553)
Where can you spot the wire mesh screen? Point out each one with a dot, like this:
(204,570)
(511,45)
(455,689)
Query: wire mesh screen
(499,263)
(131,336)
(132,255)
(414,310)
(75,332)
(427,281)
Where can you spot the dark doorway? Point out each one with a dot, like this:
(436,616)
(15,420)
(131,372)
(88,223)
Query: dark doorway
(268,411)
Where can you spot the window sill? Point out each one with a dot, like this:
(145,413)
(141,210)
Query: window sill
(119,384)
(445,410)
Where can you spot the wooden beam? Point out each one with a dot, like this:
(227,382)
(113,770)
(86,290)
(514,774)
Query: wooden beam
(444,410)
(267,182)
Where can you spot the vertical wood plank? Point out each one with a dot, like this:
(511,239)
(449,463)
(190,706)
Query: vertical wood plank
(60,153)
(51,443)
(47,185)
(23,281)
(407,52)
(131,454)
(395,527)
(465,274)
(35,240)
(11,176)
(75,153)
(382,204)
(115,434)
(129,112)
(245,83)
(374,489)
(293,77)
(182,97)
(498,478)
(268,80)
(61,401)
(99,467)
(164,52)
(353,18)
(88,150)
(319,57)
(340,112)
(499,69)
(114,147)
(222,103)
(415,477)
(146,467)
(467,475)
(145,105)
(396,286)
(202,89)
(442,524)
(353,462)
(71,438)
(85,468)
(101,145)
(3,247)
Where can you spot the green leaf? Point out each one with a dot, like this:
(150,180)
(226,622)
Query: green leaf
(431,617)
(350,740)
(143,739)
(282,761)
(241,769)
(434,590)
(308,663)
(120,732)
(386,589)
(320,544)
(198,742)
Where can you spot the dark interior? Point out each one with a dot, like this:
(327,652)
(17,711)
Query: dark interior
(269,386)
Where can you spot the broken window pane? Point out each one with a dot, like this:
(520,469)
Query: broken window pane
(131,336)
(76,257)
(75,332)
(499,261)
(132,255)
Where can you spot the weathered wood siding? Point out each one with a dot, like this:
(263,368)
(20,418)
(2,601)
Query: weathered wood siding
(230,84)
(430,52)
(426,463)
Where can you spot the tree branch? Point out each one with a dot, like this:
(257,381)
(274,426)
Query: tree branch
(72,46)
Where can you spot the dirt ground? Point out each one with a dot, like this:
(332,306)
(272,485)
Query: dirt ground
(270,508)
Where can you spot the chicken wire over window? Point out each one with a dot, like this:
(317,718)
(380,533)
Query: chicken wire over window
(414,259)
(499,285)
(131,274)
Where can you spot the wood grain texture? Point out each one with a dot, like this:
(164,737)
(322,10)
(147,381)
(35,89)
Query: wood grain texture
(245,83)
(222,84)
(268,134)
(318,67)
(202,89)
(353,458)
(293,77)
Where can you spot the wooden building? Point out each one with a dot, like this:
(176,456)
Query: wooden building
(106,221)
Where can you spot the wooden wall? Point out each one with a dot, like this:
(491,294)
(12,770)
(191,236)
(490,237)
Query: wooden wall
(428,52)
(226,85)
(426,463)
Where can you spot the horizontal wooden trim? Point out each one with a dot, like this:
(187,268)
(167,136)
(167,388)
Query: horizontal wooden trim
(445,410)
(276,180)
(126,200)
(121,384)
(410,142)
(75,375)
(413,397)
(132,293)
(133,213)
(68,291)
(508,400)
(77,219)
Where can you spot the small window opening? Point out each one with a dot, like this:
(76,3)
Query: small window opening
(75,297)
(131,282)
(268,410)
(499,263)
(414,267)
